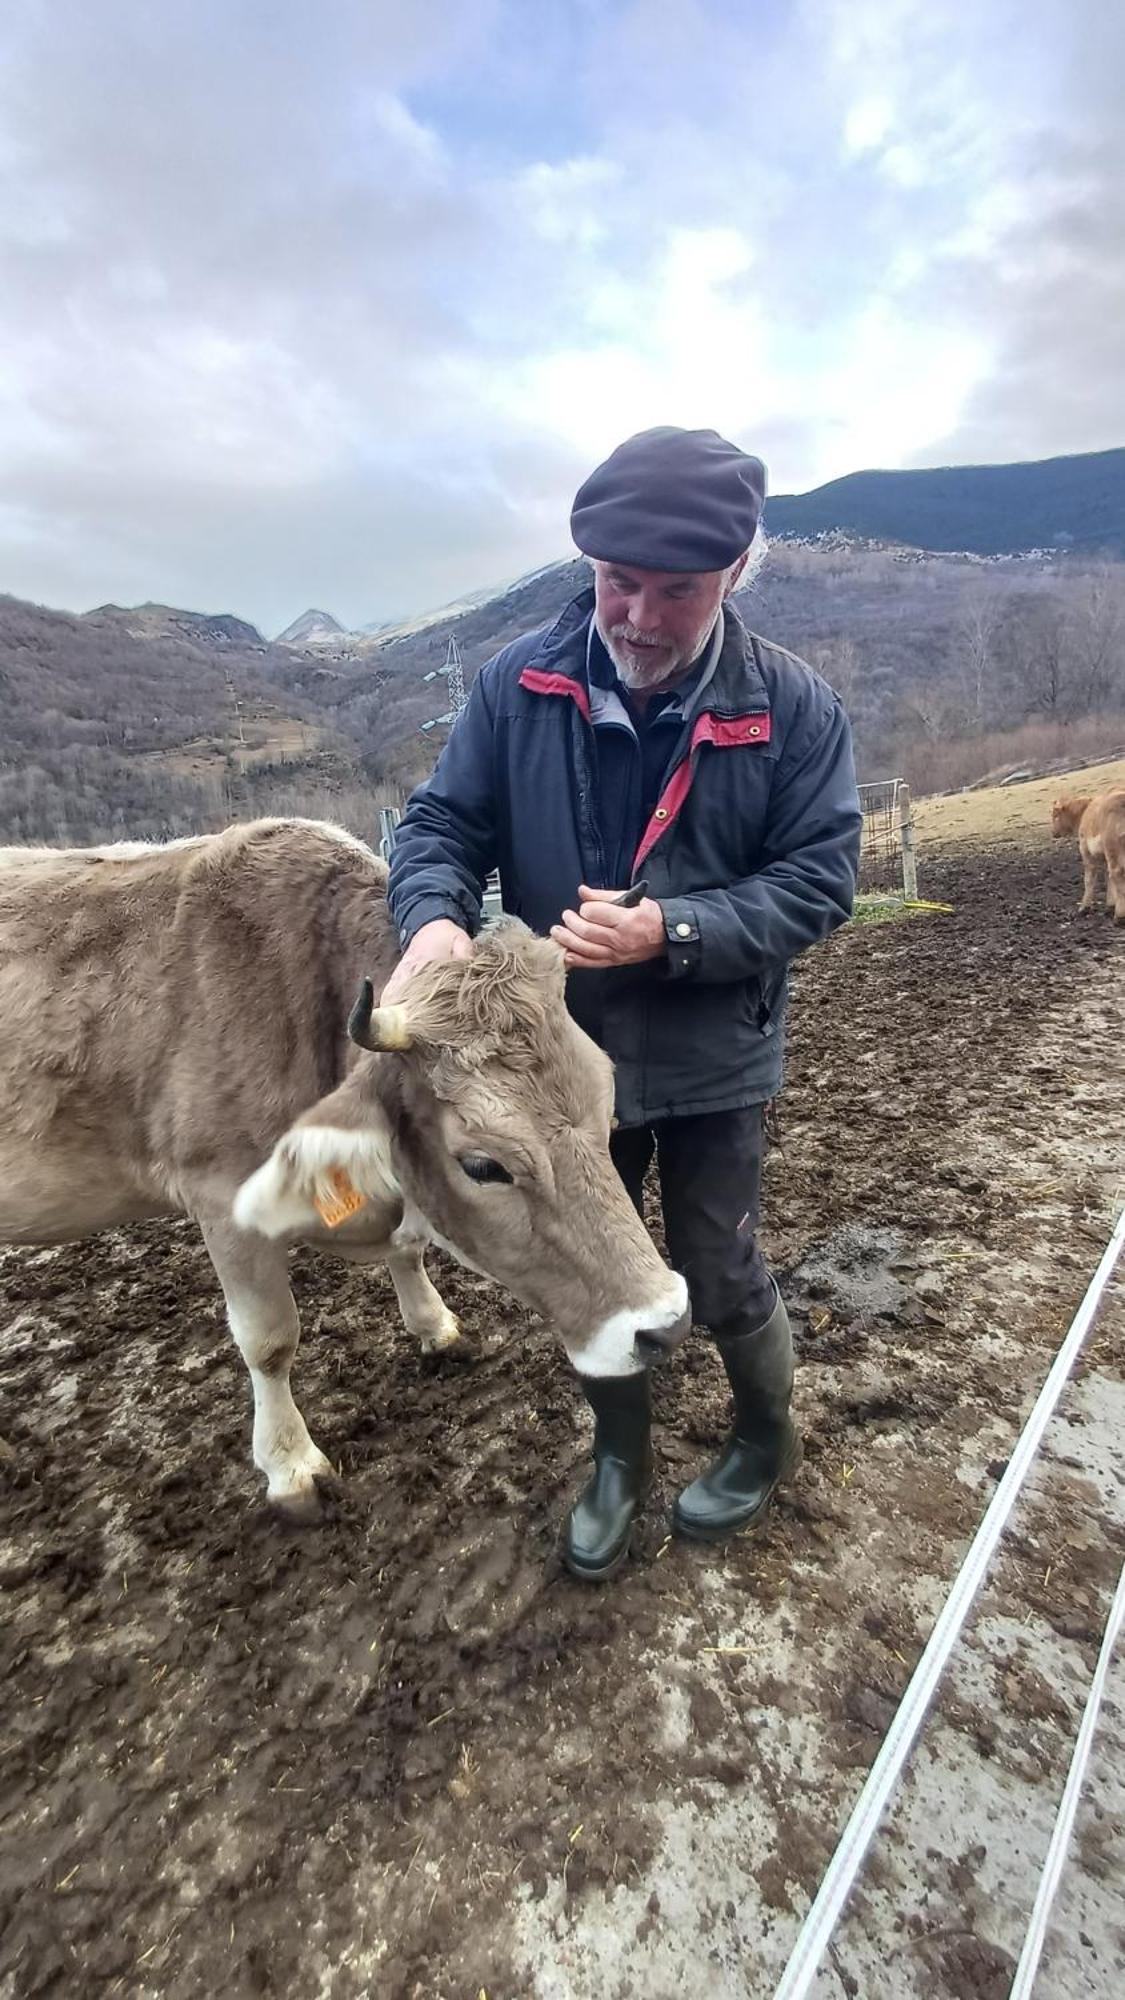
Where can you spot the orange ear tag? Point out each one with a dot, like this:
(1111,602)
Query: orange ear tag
(343,1201)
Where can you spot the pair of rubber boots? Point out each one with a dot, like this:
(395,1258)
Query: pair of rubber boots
(762,1449)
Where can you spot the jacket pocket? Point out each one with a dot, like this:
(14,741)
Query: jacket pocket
(769,996)
(763,1003)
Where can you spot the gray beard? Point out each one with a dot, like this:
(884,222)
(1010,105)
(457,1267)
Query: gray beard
(643,679)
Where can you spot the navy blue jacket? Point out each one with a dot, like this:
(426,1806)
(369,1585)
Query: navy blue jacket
(751,851)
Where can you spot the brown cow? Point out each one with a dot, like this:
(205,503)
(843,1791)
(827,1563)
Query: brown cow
(171,1014)
(1099,823)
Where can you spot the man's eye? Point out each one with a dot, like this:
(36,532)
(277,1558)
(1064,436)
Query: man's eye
(479,1167)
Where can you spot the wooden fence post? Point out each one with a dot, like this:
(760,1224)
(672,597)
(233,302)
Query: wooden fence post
(906,840)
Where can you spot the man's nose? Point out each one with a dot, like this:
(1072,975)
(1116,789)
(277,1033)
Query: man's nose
(644,614)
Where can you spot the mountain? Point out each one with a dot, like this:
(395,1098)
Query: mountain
(375,689)
(491,594)
(927,647)
(154,722)
(311,628)
(1075,503)
(163,621)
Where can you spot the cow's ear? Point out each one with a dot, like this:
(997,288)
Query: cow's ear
(379,1029)
(318,1172)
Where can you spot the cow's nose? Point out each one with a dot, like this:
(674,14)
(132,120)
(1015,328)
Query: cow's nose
(656,1343)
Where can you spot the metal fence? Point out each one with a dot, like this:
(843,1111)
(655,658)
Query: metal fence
(887,865)
(886,859)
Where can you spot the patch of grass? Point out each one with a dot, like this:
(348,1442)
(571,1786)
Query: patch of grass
(892,909)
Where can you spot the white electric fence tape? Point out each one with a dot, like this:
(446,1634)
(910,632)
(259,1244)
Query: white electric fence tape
(845,1864)
(1068,1806)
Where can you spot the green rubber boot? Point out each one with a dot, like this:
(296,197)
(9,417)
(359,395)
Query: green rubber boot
(763,1447)
(599,1526)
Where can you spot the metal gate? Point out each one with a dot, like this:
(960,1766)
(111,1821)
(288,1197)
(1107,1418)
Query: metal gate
(887,862)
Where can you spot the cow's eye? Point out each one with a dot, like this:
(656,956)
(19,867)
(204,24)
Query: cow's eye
(479,1167)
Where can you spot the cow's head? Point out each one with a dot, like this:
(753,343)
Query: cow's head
(1066,814)
(486,1111)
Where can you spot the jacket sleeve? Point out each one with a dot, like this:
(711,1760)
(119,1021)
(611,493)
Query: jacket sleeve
(445,846)
(806,885)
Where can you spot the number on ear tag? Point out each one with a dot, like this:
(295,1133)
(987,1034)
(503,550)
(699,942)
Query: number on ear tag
(341,1200)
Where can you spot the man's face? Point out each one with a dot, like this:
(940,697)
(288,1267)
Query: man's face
(655,622)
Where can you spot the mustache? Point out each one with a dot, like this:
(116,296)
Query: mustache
(632,638)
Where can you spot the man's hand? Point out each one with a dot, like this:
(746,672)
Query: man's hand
(603,932)
(433,944)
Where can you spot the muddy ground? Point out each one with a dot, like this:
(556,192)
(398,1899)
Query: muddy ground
(403,1754)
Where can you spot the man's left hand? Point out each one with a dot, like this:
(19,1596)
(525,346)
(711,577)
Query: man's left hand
(603,932)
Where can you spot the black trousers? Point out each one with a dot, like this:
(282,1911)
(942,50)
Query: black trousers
(710,1186)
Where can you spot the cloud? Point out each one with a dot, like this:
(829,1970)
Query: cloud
(340,309)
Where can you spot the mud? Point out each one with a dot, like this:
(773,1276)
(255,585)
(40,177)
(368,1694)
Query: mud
(402,1753)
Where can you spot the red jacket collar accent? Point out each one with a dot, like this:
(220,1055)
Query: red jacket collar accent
(541,682)
(725,733)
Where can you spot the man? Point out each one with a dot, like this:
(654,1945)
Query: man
(648,736)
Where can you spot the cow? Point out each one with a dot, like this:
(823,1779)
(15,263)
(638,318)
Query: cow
(175,1039)
(1099,823)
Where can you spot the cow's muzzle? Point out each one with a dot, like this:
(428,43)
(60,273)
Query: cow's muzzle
(655,1344)
(633,1339)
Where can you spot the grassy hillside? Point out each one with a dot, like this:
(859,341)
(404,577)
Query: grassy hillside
(1012,814)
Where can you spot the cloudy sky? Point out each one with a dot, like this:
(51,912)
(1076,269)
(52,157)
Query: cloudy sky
(336,304)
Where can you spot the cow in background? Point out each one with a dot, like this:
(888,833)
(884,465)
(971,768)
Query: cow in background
(174,1040)
(1099,823)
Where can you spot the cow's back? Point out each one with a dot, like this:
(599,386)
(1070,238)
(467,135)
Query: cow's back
(167,1010)
(1104,818)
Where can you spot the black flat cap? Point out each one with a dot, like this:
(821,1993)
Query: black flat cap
(671,499)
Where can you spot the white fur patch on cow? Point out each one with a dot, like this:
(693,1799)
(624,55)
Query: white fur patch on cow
(280,1198)
(611,1349)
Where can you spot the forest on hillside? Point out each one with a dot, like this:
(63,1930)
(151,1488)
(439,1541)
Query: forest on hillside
(951,667)
(947,665)
(106,734)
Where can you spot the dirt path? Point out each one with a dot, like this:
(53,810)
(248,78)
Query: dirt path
(404,1755)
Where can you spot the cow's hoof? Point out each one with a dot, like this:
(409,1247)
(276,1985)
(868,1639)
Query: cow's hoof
(302,1494)
(447,1337)
(305,1506)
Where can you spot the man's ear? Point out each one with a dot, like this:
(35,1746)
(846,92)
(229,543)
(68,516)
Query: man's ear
(735,572)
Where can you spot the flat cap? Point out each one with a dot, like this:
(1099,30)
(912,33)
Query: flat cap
(671,499)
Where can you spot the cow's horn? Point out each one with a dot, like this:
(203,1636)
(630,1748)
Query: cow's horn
(378,1028)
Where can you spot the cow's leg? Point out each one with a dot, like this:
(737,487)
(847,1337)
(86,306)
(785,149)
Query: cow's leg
(1115,888)
(424,1311)
(1089,879)
(263,1319)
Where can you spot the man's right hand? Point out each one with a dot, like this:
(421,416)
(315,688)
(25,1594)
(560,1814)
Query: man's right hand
(431,945)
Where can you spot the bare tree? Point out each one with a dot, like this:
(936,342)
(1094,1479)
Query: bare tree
(1036,656)
(1096,639)
(974,665)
